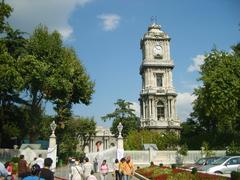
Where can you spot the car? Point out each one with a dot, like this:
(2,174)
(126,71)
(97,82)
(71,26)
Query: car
(202,162)
(238,169)
(224,165)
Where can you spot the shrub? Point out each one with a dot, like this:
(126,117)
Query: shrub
(161,165)
(173,166)
(235,175)
(194,170)
(15,159)
(233,150)
(166,173)
(183,150)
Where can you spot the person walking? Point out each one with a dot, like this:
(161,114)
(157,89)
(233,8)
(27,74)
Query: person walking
(3,171)
(116,170)
(40,161)
(45,172)
(9,167)
(87,168)
(126,168)
(104,170)
(32,162)
(76,171)
(35,170)
(95,164)
(129,169)
(122,168)
(23,169)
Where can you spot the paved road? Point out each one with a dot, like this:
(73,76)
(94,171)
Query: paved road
(110,177)
(63,172)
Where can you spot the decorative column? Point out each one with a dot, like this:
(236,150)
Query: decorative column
(120,149)
(52,149)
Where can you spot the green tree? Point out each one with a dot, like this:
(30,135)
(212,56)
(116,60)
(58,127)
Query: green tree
(5,12)
(124,114)
(206,150)
(52,73)
(85,129)
(35,71)
(11,82)
(192,134)
(77,130)
(217,107)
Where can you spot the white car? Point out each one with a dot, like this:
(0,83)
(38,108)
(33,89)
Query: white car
(224,165)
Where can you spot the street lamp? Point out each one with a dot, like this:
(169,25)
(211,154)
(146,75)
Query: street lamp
(120,128)
(53,127)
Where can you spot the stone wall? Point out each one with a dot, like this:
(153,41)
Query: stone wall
(166,157)
(7,154)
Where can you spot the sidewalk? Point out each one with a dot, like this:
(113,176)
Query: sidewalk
(63,172)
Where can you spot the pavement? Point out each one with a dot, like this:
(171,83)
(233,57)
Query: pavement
(62,173)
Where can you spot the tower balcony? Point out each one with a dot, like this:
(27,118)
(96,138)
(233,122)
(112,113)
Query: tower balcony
(156,64)
(158,91)
(153,62)
(163,123)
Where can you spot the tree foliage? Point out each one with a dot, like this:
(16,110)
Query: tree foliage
(51,72)
(216,111)
(5,12)
(34,71)
(136,139)
(11,82)
(124,114)
(77,130)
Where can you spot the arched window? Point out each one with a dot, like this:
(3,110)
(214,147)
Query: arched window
(160,110)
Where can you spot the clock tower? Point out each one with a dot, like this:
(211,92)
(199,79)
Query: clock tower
(158,95)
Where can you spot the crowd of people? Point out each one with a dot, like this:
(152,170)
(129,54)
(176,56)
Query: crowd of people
(39,169)
(123,169)
(81,170)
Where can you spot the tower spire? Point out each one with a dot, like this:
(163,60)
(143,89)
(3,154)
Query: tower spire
(154,20)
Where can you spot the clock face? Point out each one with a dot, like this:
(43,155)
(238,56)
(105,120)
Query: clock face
(157,50)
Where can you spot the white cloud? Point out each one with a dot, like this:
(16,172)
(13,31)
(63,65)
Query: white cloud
(197,62)
(109,21)
(54,14)
(184,105)
(136,107)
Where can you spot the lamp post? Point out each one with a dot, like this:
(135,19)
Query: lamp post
(53,126)
(120,150)
(52,148)
(120,128)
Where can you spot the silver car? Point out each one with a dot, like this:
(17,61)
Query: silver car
(224,165)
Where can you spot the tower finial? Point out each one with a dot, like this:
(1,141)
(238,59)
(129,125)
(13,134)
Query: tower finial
(154,19)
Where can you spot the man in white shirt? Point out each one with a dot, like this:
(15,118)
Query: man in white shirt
(40,161)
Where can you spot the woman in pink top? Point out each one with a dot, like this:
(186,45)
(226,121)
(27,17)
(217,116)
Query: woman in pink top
(104,170)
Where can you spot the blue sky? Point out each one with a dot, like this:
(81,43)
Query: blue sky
(106,36)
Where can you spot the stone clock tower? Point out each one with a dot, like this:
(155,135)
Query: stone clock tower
(158,95)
